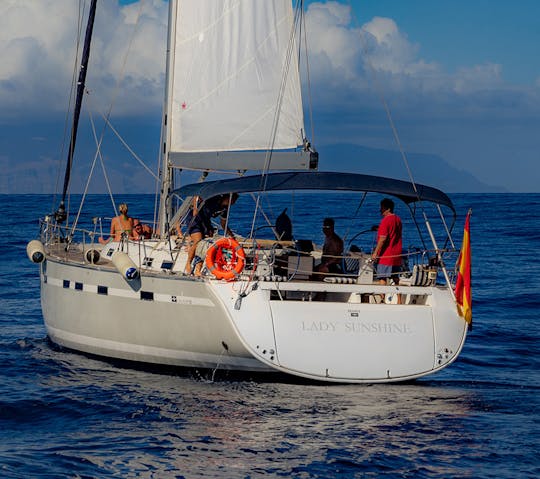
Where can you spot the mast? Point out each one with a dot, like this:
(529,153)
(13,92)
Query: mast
(166,169)
(60,214)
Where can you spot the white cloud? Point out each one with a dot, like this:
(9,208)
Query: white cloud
(142,75)
(389,50)
(351,51)
(345,54)
(37,45)
(352,65)
(478,77)
(330,39)
(38,37)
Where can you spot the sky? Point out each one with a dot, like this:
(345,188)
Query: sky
(461,80)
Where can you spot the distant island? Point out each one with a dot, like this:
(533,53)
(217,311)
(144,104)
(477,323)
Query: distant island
(431,170)
(40,174)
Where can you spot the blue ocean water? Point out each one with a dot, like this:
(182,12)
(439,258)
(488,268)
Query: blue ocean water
(65,415)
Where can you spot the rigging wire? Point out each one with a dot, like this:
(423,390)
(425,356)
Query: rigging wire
(283,87)
(120,77)
(281,95)
(379,90)
(295,27)
(71,95)
(141,162)
(97,154)
(308,74)
(60,214)
(397,139)
(111,105)
(355,216)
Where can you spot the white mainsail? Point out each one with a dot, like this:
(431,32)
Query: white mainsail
(227,84)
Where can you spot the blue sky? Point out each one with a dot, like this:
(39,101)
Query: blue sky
(468,32)
(461,78)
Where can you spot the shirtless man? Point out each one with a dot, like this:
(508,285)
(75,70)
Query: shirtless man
(332,249)
(120,224)
(140,230)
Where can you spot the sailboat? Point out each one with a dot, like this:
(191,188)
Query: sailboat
(233,106)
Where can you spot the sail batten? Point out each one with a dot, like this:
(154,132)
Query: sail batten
(227,83)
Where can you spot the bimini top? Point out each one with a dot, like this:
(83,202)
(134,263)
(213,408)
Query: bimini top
(316,180)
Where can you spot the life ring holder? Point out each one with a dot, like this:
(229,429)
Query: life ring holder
(224,268)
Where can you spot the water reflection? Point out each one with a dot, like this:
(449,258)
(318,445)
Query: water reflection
(131,420)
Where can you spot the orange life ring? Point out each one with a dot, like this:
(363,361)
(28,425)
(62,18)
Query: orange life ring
(225,265)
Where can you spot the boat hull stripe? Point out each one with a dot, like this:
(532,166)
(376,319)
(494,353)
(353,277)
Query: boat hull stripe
(130,294)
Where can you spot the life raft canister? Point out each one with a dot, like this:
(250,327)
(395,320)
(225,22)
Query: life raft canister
(225,259)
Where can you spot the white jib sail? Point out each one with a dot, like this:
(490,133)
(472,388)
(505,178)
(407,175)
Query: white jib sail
(226,75)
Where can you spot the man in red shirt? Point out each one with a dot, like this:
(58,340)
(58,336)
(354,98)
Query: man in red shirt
(388,248)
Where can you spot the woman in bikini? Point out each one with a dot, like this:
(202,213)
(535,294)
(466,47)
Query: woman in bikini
(121,224)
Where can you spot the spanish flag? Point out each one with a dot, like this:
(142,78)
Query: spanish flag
(463,283)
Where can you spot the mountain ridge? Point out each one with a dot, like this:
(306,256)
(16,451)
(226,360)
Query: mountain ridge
(428,169)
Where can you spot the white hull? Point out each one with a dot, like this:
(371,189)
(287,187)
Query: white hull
(290,306)
(172,319)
